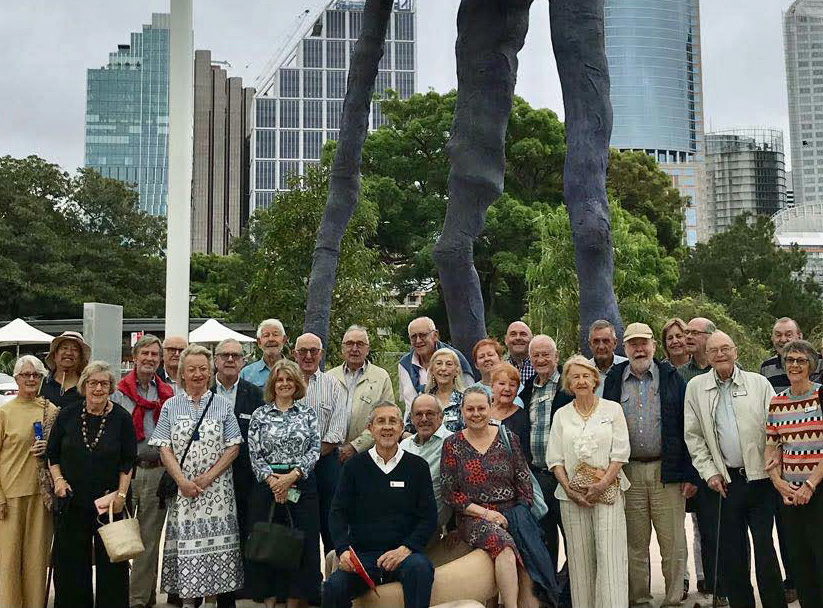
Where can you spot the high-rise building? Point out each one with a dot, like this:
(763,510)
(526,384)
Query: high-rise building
(220,176)
(127,114)
(745,172)
(299,97)
(653,48)
(803,44)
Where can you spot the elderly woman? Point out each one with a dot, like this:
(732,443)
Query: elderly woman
(91,452)
(200,560)
(446,384)
(490,490)
(68,356)
(590,434)
(25,501)
(674,341)
(795,426)
(284,446)
(487,354)
(505,381)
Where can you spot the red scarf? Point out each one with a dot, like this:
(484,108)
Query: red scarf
(128,386)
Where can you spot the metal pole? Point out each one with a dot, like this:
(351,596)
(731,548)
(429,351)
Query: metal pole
(181,125)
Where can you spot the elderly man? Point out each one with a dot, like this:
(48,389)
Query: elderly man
(539,397)
(697,333)
(328,398)
(271,337)
(365,384)
(518,337)
(172,347)
(725,429)
(246,398)
(413,368)
(603,341)
(385,511)
(651,393)
(68,355)
(142,393)
(427,442)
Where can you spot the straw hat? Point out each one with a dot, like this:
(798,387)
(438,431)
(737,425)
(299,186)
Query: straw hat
(73,336)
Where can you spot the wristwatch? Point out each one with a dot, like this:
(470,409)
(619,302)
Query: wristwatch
(810,484)
(121,495)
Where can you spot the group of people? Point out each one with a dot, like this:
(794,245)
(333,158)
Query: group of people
(599,450)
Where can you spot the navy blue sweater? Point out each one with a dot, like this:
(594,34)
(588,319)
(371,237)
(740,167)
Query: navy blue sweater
(372,511)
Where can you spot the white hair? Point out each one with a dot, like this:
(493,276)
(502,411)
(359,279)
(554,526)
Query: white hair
(543,337)
(357,328)
(36,363)
(223,343)
(270,323)
(429,321)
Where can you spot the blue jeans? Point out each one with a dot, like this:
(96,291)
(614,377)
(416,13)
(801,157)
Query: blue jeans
(415,574)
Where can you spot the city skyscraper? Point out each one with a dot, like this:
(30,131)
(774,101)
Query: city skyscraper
(803,45)
(745,172)
(299,97)
(127,114)
(653,48)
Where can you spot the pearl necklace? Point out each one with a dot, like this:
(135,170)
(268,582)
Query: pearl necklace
(84,427)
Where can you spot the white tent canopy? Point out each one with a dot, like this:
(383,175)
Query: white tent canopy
(20,332)
(213,331)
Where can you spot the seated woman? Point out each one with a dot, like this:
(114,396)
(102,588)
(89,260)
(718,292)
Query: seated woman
(284,446)
(446,384)
(487,354)
(490,490)
(591,431)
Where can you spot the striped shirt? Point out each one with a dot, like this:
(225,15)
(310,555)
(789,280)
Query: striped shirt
(640,398)
(328,398)
(796,424)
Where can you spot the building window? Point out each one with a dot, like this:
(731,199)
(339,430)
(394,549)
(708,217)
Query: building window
(355,24)
(312,84)
(335,84)
(335,54)
(264,175)
(289,113)
(334,110)
(262,200)
(289,82)
(332,135)
(265,143)
(404,55)
(289,144)
(312,114)
(288,170)
(385,60)
(312,143)
(382,83)
(404,26)
(265,112)
(405,84)
(313,53)
(336,24)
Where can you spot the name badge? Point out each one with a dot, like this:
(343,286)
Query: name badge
(543,398)
(365,399)
(245,416)
(812,407)
(740,393)
(184,417)
(397,484)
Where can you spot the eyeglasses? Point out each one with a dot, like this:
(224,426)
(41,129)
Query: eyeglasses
(230,356)
(29,375)
(352,344)
(308,351)
(96,383)
(423,415)
(695,332)
(796,361)
(723,350)
(173,349)
(420,336)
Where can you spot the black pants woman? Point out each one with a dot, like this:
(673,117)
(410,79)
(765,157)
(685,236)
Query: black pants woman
(304,582)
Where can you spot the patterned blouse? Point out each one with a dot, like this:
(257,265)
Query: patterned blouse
(796,424)
(289,438)
(452,416)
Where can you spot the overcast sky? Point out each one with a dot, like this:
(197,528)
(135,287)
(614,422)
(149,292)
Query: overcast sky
(47,45)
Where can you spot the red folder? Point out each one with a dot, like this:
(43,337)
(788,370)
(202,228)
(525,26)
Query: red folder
(361,571)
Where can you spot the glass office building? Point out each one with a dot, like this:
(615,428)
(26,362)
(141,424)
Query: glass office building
(653,48)
(299,98)
(127,114)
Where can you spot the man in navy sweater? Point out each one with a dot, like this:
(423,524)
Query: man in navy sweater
(384,509)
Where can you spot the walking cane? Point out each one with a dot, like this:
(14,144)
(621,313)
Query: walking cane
(717,548)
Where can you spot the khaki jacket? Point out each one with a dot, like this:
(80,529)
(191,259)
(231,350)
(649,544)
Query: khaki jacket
(373,387)
(751,395)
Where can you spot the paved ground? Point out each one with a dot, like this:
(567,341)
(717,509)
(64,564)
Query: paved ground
(657,579)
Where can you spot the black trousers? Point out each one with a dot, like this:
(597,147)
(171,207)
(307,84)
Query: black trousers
(326,472)
(706,507)
(75,541)
(749,508)
(786,552)
(804,524)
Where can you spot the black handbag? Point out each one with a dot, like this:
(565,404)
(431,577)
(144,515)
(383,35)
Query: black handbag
(167,488)
(276,545)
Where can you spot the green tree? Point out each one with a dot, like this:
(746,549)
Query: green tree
(756,280)
(67,240)
(274,261)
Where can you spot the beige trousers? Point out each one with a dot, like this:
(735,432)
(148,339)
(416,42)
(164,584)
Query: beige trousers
(25,540)
(151,517)
(649,502)
(596,546)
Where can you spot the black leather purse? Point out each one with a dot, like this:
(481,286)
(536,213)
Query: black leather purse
(278,546)
(167,488)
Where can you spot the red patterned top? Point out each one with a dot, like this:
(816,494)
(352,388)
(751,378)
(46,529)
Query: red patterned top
(796,424)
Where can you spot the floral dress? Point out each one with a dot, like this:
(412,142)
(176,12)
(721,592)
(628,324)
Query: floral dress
(494,480)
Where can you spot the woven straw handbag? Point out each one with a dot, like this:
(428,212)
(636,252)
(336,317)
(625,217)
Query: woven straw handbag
(122,537)
(585,474)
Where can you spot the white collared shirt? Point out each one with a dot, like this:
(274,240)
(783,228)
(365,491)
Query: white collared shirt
(387,466)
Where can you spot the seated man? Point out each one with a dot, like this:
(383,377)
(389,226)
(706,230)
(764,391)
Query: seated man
(427,442)
(384,509)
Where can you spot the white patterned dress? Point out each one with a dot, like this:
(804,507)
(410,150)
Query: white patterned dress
(201,556)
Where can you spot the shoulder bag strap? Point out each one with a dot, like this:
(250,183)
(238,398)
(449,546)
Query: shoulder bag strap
(196,427)
(504,436)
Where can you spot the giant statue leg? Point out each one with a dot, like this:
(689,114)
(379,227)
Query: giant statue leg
(344,183)
(490,33)
(579,46)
